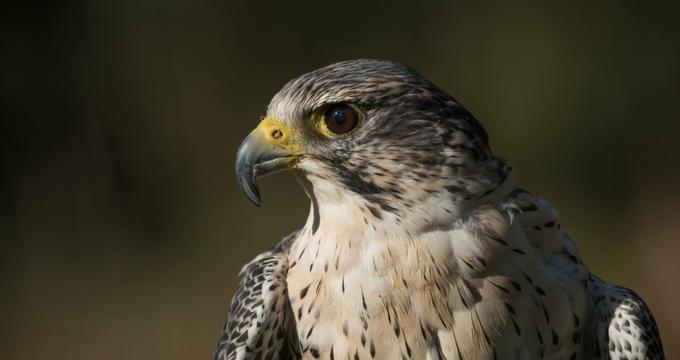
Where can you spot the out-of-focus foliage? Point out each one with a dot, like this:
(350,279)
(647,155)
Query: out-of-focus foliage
(121,226)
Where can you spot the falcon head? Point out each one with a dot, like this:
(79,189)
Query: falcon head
(371,130)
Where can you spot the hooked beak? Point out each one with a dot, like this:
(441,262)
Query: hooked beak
(266,150)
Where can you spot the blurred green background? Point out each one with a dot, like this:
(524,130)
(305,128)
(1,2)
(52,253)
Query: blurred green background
(122,228)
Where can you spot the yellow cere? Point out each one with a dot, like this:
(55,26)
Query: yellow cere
(276,132)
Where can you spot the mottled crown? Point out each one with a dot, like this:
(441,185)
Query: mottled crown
(385,89)
(414,136)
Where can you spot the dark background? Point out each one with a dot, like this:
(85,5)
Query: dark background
(121,226)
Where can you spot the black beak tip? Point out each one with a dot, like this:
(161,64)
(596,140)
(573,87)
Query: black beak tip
(255,199)
(248,186)
(245,177)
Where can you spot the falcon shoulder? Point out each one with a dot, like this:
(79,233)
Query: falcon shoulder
(619,325)
(622,326)
(260,323)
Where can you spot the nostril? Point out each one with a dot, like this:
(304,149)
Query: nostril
(277,134)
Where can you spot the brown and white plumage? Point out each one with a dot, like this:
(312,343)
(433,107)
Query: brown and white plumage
(621,324)
(260,323)
(419,243)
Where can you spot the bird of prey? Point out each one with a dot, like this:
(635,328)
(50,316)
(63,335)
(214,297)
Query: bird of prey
(419,243)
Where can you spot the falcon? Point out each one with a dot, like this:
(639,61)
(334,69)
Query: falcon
(419,243)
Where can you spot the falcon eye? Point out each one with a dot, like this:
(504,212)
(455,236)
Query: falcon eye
(341,119)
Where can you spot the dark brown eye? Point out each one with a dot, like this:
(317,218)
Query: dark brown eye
(341,119)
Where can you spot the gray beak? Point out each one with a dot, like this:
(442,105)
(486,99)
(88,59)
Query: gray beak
(257,157)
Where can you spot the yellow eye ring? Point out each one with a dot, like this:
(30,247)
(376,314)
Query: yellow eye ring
(336,120)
